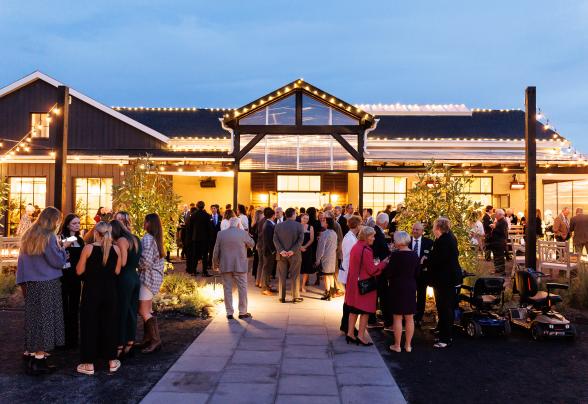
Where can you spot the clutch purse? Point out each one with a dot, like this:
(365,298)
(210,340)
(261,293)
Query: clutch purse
(368,285)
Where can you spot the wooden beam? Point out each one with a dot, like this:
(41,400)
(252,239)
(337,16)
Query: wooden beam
(531,170)
(249,146)
(61,135)
(356,155)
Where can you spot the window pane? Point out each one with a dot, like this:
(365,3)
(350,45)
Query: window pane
(304,182)
(340,118)
(389,184)
(256,118)
(550,199)
(91,194)
(314,112)
(368,184)
(315,183)
(486,185)
(378,184)
(282,112)
(24,191)
(282,182)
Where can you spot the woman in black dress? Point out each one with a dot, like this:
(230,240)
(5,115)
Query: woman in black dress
(71,284)
(99,265)
(307,249)
(400,276)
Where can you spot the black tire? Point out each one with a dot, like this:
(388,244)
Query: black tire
(473,329)
(507,329)
(536,331)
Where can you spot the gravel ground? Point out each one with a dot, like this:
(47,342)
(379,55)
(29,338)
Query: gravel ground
(490,370)
(128,385)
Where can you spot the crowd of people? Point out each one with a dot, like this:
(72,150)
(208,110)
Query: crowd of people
(85,290)
(354,255)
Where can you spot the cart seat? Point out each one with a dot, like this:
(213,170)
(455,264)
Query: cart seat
(490,299)
(540,299)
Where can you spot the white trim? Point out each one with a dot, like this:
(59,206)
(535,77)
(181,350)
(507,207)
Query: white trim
(230,174)
(37,75)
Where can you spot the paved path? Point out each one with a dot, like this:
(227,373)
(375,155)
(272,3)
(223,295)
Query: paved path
(288,353)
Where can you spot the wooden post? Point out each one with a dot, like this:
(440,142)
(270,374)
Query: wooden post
(236,151)
(60,169)
(531,170)
(360,170)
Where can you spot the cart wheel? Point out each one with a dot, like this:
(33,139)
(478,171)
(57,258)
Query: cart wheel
(473,329)
(507,330)
(536,332)
(572,337)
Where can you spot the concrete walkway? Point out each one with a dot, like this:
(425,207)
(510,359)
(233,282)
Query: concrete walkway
(288,353)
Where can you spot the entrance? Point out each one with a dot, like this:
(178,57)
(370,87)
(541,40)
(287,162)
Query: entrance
(299,199)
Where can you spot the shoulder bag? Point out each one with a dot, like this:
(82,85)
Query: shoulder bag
(368,285)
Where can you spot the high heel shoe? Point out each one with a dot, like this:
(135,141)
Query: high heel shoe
(326,296)
(350,340)
(360,342)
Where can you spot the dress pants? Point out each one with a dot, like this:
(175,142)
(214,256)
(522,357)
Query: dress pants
(240,278)
(128,285)
(291,266)
(421,299)
(98,325)
(198,252)
(499,251)
(260,264)
(269,265)
(579,246)
(70,292)
(255,266)
(445,302)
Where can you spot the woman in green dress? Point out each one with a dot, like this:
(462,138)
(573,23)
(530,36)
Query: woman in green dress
(128,285)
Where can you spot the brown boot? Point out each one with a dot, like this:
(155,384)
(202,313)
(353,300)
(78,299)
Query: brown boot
(147,337)
(155,343)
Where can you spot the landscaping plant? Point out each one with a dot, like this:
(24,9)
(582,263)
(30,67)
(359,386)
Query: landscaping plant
(437,192)
(184,294)
(145,190)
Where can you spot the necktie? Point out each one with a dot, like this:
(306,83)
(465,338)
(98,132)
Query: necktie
(415,247)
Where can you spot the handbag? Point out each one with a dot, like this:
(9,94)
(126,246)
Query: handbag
(365,285)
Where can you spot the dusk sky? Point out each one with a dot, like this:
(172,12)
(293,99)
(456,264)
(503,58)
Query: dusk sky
(224,54)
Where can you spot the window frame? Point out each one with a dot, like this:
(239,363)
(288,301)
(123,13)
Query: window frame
(88,224)
(9,215)
(383,192)
(45,127)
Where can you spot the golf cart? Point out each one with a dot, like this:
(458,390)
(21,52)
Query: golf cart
(536,307)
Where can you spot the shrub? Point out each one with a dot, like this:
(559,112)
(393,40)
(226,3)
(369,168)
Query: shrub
(577,295)
(7,284)
(186,295)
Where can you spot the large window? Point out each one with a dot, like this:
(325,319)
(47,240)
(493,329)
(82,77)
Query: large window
(299,183)
(480,190)
(40,125)
(557,195)
(299,152)
(282,112)
(315,112)
(25,191)
(90,195)
(380,191)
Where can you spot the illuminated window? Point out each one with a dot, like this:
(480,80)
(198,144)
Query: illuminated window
(40,125)
(480,190)
(299,183)
(282,112)
(315,112)
(25,191)
(90,195)
(380,191)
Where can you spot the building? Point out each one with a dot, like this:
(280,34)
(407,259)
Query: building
(296,146)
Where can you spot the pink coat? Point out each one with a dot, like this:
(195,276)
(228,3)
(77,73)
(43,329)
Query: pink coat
(365,302)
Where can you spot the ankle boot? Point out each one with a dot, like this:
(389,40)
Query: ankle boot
(155,343)
(146,337)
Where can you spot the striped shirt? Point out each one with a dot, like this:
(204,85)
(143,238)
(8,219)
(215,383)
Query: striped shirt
(150,264)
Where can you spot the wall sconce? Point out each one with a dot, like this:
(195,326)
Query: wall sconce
(263,198)
(516,184)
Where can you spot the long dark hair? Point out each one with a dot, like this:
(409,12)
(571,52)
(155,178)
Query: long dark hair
(311,212)
(154,228)
(119,230)
(64,231)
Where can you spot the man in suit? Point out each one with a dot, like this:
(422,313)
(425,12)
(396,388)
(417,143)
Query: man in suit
(579,226)
(339,218)
(368,219)
(487,222)
(215,221)
(561,225)
(199,235)
(393,220)
(279,215)
(184,216)
(498,238)
(381,251)
(268,251)
(288,238)
(230,256)
(422,246)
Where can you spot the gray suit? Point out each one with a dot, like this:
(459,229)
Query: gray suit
(289,236)
(230,254)
(579,225)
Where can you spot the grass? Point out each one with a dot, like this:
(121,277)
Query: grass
(7,285)
(184,294)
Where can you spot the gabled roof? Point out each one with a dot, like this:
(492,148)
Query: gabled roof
(37,75)
(289,89)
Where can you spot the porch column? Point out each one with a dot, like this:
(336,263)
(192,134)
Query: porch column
(360,170)
(531,170)
(236,151)
(60,168)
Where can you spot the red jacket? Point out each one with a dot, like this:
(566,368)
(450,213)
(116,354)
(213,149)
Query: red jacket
(365,302)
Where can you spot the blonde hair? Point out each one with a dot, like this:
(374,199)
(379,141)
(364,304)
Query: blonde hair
(443,224)
(365,232)
(105,231)
(35,239)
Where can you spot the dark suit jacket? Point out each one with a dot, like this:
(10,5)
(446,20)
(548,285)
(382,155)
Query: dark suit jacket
(380,247)
(579,225)
(268,238)
(486,222)
(343,223)
(443,262)
(199,226)
(215,228)
(499,233)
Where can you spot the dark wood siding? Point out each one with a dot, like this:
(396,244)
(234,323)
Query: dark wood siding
(334,182)
(264,182)
(330,182)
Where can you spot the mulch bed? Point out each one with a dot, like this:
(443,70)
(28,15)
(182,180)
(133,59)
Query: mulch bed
(129,385)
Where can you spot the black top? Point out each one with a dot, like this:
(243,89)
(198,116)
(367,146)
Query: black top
(74,254)
(443,262)
(380,246)
(199,226)
(97,277)
(500,231)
